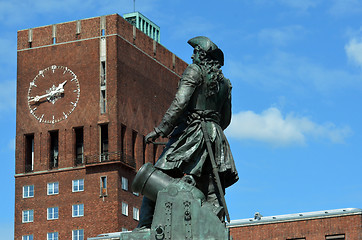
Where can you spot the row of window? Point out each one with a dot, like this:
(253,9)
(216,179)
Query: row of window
(327,237)
(54,154)
(76,235)
(53,213)
(136,212)
(53,188)
(77,186)
(54,149)
(77,211)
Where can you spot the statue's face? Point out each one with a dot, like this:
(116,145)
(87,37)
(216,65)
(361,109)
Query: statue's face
(196,56)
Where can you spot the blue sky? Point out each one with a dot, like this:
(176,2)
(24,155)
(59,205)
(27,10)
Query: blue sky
(296,70)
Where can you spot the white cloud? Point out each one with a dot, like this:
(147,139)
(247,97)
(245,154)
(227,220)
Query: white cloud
(354,51)
(272,127)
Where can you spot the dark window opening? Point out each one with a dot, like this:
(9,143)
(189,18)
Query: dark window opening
(29,153)
(134,137)
(123,134)
(30,44)
(79,146)
(54,149)
(104,142)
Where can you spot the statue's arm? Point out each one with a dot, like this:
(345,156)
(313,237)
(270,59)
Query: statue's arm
(189,81)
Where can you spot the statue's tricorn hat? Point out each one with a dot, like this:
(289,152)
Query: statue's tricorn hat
(209,47)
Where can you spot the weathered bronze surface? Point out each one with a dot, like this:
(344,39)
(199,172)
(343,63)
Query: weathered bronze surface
(181,211)
(196,118)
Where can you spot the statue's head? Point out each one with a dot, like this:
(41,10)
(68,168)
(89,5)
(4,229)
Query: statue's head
(205,48)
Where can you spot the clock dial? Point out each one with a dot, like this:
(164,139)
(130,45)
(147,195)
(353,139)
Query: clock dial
(53,94)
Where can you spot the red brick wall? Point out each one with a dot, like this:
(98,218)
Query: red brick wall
(100,215)
(140,86)
(315,229)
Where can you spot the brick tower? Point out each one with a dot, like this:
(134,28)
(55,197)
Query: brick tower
(88,91)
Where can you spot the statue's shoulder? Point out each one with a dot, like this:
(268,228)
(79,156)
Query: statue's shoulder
(193,72)
(193,69)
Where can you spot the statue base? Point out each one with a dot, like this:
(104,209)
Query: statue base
(181,210)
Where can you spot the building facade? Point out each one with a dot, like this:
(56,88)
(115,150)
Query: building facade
(338,224)
(88,91)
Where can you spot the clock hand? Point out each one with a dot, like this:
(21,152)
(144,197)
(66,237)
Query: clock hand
(60,88)
(37,98)
(52,93)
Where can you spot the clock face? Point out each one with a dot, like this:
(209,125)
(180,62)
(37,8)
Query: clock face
(53,94)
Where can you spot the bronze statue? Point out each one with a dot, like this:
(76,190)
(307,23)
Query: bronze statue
(194,122)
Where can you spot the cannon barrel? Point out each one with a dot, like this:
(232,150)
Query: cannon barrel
(149,181)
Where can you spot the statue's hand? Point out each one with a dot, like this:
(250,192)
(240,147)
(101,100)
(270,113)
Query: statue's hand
(151,137)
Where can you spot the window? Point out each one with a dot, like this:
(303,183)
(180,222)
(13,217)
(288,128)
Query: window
(124,208)
(28,216)
(103,186)
(78,234)
(124,183)
(79,149)
(54,153)
(52,236)
(136,214)
(103,101)
(78,185)
(28,191)
(103,73)
(104,142)
(124,230)
(53,188)
(136,194)
(29,153)
(123,134)
(27,237)
(53,213)
(78,210)
(134,137)
(336,237)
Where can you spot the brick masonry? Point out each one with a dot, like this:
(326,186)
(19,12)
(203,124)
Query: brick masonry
(312,229)
(141,79)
